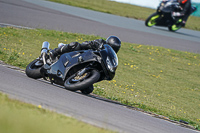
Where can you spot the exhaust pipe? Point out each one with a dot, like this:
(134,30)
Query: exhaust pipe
(45,47)
(44,50)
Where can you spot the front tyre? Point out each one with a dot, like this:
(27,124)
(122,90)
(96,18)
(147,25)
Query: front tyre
(151,20)
(33,69)
(75,82)
(174,27)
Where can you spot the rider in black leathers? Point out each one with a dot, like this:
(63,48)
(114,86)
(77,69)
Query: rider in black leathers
(113,41)
(186,9)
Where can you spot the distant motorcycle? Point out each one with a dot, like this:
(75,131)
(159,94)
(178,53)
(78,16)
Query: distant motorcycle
(77,70)
(163,15)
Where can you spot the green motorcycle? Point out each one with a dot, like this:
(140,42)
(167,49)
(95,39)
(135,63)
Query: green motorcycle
(163,16)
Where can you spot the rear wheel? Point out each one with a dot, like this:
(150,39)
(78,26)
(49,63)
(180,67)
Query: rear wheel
(33,69)
(151,20)
(75,82)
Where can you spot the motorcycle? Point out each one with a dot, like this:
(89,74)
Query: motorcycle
(77,70)
(163,15)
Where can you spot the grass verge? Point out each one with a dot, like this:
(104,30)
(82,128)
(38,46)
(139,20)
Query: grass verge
(122,9)
(156,79)
(18,117)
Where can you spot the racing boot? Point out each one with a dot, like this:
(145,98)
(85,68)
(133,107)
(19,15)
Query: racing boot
(73,46)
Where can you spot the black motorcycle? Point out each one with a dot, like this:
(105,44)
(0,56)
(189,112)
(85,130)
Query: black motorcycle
(163,15)
(77,70)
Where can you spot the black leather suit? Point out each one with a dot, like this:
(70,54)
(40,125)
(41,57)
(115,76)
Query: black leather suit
(186,9)
(75,46)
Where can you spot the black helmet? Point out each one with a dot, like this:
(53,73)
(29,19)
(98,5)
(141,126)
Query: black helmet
(114,42)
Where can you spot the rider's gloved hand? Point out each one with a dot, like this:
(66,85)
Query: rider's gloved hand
(178,8)
(95,44)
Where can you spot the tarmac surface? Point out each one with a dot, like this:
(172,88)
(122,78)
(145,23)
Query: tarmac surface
(91,109)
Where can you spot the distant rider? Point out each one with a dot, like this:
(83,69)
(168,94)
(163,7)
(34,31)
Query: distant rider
(185,11)
(113,41)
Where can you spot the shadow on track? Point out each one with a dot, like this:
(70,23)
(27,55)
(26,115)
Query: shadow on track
(177,32)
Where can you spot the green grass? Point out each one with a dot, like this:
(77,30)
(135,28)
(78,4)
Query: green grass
(122,9)
(156,79)
(18,47)
(18,117)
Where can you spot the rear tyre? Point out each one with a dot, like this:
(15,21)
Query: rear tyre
(151,20)
(33,71)
(75,82)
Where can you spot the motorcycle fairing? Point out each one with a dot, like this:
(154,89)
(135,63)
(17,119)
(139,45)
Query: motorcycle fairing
(106,53)
(70,63)
(70,60)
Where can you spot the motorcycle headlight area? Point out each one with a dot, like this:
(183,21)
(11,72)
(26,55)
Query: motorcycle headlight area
(111,64)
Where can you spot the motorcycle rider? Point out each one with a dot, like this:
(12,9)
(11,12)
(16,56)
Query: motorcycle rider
(185,11)
(113,41)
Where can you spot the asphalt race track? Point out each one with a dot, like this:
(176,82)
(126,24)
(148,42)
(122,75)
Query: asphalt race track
(91,109)
(65,18)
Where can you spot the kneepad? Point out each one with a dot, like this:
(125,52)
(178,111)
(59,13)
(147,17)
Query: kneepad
(74,46)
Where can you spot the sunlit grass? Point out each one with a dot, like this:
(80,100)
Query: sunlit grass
(122,9)
(18,47)
(18,117)
(156,79)
(159,80)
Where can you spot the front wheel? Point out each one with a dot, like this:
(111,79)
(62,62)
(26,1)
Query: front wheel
(33,69)
(151,20)
(174,27)
(75,82)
